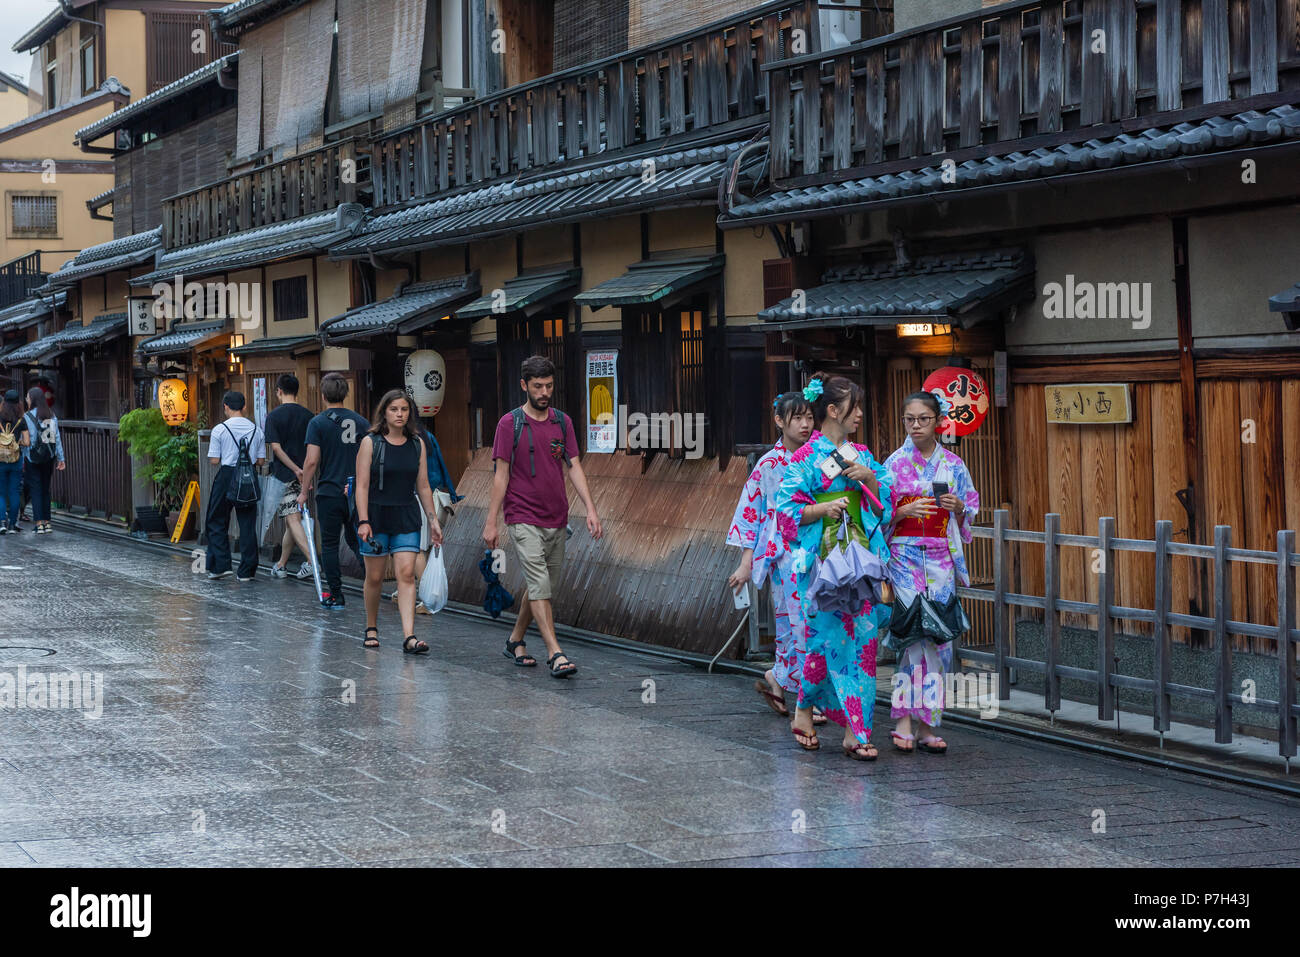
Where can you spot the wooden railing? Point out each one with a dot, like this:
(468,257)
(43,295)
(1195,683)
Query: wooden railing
(1102,549)
(97,479)
(311,182)
(708,78)
(1027,75)
(18,277)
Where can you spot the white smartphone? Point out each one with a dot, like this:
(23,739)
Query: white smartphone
(741,599)
(832,468)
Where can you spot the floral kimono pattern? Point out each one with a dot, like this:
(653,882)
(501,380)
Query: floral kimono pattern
(927,558)
(839,671)
(754,526)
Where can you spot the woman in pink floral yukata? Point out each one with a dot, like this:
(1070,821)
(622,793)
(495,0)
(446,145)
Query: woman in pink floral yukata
(925,541)
(764,555)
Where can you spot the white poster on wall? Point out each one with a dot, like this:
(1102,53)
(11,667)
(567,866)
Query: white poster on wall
(602,401)
(259,402)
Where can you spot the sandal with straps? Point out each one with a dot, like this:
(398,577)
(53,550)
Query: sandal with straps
(900,736)
(927,744)
(369,641)
(860,751)
(524,660)
(561,671)
(773,700)
(811,736)
(419,648)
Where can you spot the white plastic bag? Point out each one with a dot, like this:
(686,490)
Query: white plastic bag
(433,583)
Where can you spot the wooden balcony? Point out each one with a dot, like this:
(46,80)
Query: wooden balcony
(1027,75)
(311,182)
(711,78)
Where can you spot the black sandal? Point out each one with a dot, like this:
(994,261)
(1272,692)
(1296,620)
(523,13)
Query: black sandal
(561,671)
(367,640)
(524,660)
(419,648)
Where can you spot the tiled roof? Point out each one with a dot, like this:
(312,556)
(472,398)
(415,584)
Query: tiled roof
(950,288)
(658,181)
(254,247)
(521,292)
(1152,145)
(416,307)
(245,12)
(286,344)
(142,106)
(111,87)
(182,337)
(49,25)
(650,281)
(124,253)
(22,314)
(102,329)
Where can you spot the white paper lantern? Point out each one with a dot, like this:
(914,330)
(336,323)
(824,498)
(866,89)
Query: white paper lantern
(426,381)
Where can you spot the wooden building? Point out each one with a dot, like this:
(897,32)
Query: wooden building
(1073,218)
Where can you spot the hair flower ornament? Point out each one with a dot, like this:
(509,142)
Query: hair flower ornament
(945,403)
(813,389)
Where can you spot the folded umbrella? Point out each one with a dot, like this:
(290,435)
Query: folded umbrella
(850,574)
(309,532)
(496,599)
(272,493)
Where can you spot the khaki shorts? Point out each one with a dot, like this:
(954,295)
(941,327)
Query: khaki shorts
(541,554)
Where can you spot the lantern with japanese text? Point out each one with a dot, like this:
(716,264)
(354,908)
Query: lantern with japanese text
(426,381)
(964,395)
(174,401)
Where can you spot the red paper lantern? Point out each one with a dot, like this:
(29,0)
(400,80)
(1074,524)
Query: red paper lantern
(967,394)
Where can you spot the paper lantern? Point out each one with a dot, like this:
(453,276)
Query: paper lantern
(174,401)
(426,381)
(968,397)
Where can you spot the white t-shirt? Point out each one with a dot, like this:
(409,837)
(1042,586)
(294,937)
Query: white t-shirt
(225,445)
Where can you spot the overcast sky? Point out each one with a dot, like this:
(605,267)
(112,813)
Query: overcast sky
(16,18)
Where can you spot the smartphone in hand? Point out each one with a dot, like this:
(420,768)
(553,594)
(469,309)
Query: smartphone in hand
(741,598)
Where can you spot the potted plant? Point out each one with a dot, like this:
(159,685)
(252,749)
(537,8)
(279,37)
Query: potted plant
(170,454)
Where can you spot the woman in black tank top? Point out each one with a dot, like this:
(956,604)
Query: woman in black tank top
(391,472)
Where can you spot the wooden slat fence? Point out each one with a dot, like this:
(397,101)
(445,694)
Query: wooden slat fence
(97,478)
(1102,552)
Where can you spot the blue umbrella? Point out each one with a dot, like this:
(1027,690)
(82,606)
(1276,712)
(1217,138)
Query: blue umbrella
(496,599)
(849,575)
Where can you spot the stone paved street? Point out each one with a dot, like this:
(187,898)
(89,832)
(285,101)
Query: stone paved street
(226,739)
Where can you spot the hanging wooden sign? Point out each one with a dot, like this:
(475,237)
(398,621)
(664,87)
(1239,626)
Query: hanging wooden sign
(1096,403)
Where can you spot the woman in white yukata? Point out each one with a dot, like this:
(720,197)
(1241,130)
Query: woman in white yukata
(764,555)
(925,543)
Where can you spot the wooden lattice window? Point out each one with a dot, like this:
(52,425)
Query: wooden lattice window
(34,215)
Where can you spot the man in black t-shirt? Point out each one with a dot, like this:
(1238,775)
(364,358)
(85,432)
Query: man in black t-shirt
(332,441)
(286,440)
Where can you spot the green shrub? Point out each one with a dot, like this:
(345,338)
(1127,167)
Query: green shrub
(172,453)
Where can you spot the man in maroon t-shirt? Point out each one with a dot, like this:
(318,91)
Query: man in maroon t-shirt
(529,482)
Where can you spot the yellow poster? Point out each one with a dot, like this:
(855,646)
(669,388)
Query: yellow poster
(1088,404)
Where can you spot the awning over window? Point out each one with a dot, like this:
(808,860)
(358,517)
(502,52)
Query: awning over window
(524,293)
(1287,302)
(39,350)
(285,345)
(414,308)
(305,236)
(956,289)
(125,253)
(102,330)
(23,314)
(650,282)
(183,337)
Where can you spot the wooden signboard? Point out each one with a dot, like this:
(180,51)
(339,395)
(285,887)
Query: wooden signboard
(1088,404)
(191,501)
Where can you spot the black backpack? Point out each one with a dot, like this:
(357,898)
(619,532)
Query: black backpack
(243,489)
(40,452)
(517,415)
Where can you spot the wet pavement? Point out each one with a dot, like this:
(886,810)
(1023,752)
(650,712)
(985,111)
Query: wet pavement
(243,725)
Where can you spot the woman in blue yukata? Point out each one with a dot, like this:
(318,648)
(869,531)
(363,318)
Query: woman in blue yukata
(925,540)
(839,672)
(764,555)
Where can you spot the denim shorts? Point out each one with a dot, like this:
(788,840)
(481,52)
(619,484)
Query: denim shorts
(382,543)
